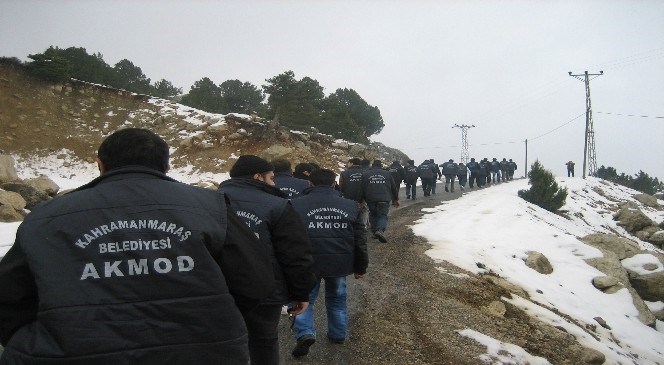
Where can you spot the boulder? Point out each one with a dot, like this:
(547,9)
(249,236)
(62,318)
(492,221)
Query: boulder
(646,275)
(8,214)
(604,282)
(45,184)
(31,195)
(657,238)
(538,262)
(632,218)
(610,265)
(7,169)
(647,200)
(621,246)
(12,199)
(277,151)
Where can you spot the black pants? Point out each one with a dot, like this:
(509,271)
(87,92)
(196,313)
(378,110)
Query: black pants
(262,324)
(411,188)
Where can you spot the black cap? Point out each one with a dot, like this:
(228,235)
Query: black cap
(248,165)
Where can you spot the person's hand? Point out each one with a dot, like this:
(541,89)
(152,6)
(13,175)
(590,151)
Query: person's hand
(296,308)
(396,203)
(359,276)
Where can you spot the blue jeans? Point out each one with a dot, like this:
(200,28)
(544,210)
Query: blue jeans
(337,312)
(378,215)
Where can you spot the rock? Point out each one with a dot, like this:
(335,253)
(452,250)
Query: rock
(496,309)
(277,151)
(538,262)
(8,214)
(592,356)
(602,322)
(12,199)
(647,200)
(604,282)
(645,233)
(621,246)
(512,288)
(632,218)
(45,184)
(649,286)
(657,238)
(7,169)
(31,195)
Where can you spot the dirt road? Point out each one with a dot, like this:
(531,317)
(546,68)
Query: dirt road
(408,309)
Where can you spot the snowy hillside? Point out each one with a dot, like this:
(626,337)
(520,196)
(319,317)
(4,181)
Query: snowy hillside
(492,230)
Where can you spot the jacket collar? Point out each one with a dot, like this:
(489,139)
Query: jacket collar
(124,172)
(248,183)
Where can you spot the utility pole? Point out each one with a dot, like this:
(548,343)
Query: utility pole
(589,146)
(526,165)
(464,141)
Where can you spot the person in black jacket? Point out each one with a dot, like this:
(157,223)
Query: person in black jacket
(396,170)
(268,213)
(427,176)
(284,180)
(511,169)
(131,268)
(350,185)
(379,190)
(412,174)
(437,175)
(450,171)
(339,247)
(473,168)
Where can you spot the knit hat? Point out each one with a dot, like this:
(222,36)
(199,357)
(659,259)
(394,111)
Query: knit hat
(248,165)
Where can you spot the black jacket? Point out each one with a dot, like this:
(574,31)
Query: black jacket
(350,182)
(276,224)
(337,233)
(131,268)
(289,185)
(397,171)
(411,173)
(378,186)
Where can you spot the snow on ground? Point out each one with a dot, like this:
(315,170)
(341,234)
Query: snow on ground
(493,227)
(496,228)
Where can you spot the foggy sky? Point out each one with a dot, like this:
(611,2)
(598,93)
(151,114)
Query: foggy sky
(427,65)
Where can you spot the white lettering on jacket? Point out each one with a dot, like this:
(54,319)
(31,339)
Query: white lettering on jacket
(132,267)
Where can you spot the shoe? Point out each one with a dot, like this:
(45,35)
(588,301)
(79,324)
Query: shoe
(447,190)
(303,344)
(380,236)
(338,341)
(407,196)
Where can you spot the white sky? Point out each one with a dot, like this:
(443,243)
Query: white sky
(427,65)
(498,229)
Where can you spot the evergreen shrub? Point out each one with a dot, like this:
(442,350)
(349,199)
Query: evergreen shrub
(544,191)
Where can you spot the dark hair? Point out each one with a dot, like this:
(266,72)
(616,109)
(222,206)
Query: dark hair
(134,146)
(322,177)
(302,167)
(355,161)
(281,165)
(365,162)
(314,165)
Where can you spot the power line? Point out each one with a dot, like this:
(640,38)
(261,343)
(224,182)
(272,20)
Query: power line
(630,115)
(558,127)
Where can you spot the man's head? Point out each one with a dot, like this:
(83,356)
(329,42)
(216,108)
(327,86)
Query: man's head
(354,162)
(377,163)
(281,165)
(323,177)
(303,168)
(365,163)
(253,167)
(133,146)
(472,159)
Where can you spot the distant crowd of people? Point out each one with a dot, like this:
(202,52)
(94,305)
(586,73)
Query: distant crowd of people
(474,173)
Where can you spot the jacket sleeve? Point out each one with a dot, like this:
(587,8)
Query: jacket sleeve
(245,264)
(292,249)
(18,298)
(360,254)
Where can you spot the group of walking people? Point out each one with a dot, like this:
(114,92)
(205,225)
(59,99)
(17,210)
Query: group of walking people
(480,173)
(137,268)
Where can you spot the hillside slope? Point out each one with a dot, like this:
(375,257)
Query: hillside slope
(37,118)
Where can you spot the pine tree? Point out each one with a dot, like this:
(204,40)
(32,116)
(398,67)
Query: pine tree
(544,191)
